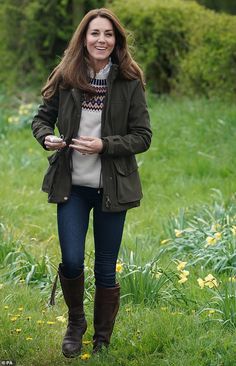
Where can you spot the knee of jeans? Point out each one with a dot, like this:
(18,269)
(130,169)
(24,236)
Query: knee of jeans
(72,269)
(105,276)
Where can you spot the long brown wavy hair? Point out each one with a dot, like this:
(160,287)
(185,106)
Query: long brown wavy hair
(72,70)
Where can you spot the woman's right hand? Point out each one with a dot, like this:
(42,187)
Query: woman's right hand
(53,142)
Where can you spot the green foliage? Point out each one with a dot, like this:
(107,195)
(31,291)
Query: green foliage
(19,265)
(192,152)
(210,65)
(33,37)
(227,6)
(147,283)
(206,236)
(30,34)
(222,304)
(160,34)
(182,46)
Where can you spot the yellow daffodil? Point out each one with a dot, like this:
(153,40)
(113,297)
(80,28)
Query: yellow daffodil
(210,241)
(1,286)
(119,267)
(29,338)
(233,229)
(164,308)
(40,322)
(18,330)
(232,279)
(165,241)
(13,318)
(85,356)
(178,233)
(6,307)
(218,235)
(209,277)
(181,266)
(183,279)
(201,282)
(158,275)
(210,281)
(13,119)
(61,319)
(213,227)
(20,308)
(183,276)
(29,318)
(50,322)
(87,342)
(24,109)
(212,311)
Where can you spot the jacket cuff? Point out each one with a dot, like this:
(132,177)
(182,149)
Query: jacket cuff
(105,146)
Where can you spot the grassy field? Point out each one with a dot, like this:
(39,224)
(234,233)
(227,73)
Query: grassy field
(190,166)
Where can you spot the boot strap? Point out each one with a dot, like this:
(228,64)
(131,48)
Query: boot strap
(54,287)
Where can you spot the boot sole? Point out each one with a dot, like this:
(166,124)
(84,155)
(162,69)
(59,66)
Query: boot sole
(67,355)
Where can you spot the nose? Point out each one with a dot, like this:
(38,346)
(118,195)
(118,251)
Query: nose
(101,38)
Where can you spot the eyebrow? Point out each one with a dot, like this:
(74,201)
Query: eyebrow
(106,30)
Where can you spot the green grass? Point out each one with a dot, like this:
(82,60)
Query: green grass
(142,336)
(191,156)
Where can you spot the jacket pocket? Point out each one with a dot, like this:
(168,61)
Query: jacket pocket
(128,185)
(50,173)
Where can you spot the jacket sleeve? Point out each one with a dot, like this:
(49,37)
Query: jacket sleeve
(138,138)
(44,121)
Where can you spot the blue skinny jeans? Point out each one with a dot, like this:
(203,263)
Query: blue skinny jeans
(73,220)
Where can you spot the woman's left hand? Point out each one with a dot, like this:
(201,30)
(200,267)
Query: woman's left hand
(87,145)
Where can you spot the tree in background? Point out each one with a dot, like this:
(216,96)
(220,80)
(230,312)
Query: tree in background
(227,6)
(33,36)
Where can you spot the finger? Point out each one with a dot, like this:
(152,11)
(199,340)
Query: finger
(55,146)
(81,150)
(88,138)
(79,146)
(83,144)
(80,141)
(53,139)
(75,140)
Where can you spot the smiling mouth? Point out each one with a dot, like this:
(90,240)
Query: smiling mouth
(100,48)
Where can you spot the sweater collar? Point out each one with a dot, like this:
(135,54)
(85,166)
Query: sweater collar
(103,73)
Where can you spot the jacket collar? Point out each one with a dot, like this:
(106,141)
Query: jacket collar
(114,70)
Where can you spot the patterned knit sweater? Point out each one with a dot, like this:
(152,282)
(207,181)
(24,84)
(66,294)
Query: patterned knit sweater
(87,168)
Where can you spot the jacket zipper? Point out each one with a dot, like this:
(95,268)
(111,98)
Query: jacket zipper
(104,112)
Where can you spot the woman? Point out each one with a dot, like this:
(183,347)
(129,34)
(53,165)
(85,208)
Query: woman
(95,97)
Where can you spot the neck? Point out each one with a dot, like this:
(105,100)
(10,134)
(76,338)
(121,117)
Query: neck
(99,65)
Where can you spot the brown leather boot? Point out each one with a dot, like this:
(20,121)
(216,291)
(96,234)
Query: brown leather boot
(73,291)
(106,306)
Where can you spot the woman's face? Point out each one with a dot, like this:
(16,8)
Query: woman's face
(100,41)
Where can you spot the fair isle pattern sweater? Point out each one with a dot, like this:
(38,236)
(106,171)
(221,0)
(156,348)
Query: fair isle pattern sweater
(87,168)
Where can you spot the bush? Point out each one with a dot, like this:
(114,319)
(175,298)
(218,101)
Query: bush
(209,67)
(33,37)
(182,46)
